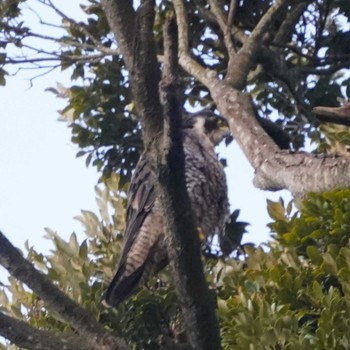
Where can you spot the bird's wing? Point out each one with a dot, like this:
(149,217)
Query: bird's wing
(141,198)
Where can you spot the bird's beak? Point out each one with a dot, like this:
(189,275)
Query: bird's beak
(226,132)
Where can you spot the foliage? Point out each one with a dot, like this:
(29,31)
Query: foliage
(294,292)
(82,270)
(100,109)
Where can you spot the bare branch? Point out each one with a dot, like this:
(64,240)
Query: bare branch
(170,64)
(231,13)
(239,67)
(237,34)
(223,24)
(122,20)
(69,310)
(81,27)
(266,22)
(336,115)
(283,34)
(71,58)
(28,337)
(205,76)
(49,70)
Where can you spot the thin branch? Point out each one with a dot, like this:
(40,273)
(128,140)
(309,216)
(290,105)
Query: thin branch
(238,70)
(81,27)
(205,76)
(25,336)
(337,115)
(69,310)
(286,28)
(313,60)
(231,13)
(223,24)
(30,60)
(267,20)
(71,58)
(237,34)
(50,69)
(326,71)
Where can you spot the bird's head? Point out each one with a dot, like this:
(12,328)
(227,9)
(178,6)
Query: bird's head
(212,125)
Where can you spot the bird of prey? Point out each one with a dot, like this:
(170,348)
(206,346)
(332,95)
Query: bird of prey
(144,251)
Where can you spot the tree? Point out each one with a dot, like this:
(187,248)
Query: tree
(263,65)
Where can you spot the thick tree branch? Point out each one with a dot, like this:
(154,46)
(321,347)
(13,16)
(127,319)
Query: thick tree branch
(183,243)
(25,336)
(122,20)
(275,169)
(70,311)
(134,33)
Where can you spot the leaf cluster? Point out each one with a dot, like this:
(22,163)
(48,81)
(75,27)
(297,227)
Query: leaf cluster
(82,270)
(299,67)
(294,293)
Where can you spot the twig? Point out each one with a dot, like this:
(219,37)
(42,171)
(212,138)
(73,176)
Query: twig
(72,58)
(41,75)
(81,27)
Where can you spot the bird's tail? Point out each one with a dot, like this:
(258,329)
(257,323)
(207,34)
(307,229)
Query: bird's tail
(122,286)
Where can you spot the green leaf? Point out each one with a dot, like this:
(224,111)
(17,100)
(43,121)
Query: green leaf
(314,255)
(276,210)
(83,250)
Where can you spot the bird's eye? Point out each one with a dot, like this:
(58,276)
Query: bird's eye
(220,123)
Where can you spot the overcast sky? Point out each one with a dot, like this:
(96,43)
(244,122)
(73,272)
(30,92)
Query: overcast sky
(42,184)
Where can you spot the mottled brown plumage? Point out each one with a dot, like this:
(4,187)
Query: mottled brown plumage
(144,252)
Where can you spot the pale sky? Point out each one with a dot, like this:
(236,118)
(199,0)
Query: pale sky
(42,184)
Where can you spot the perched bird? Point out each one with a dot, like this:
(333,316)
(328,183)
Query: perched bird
(144,251)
